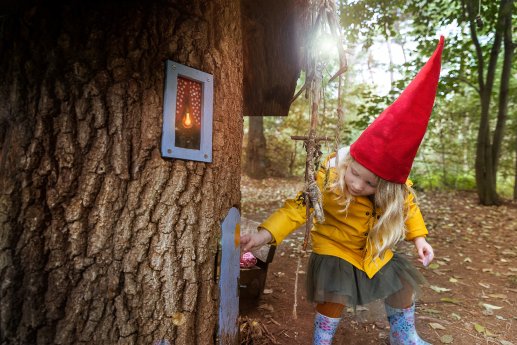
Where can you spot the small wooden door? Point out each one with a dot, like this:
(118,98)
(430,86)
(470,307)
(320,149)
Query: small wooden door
(229,279)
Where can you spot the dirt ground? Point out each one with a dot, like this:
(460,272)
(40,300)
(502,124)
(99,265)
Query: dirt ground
(471,295)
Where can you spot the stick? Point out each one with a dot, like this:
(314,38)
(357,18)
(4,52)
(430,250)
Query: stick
(295,305)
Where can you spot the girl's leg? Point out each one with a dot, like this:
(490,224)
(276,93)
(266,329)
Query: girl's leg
(400,309)
(403,298)
(330,309)
(326,321)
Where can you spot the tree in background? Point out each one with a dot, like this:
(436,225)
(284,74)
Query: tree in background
(471,59)
(474,53)
(256,161)
(489,147)
(450,155)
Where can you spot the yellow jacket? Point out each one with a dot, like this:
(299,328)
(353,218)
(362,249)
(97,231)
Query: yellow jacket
(342,235)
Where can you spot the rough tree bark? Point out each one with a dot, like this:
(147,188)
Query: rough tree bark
(101,240)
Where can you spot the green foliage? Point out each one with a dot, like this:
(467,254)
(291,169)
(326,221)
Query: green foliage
(436,180)
(447,155)
(449,149)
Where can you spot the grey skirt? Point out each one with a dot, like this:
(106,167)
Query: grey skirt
(332,279)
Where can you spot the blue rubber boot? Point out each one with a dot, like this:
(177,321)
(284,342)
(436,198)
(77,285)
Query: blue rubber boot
(402,326)
(324,329)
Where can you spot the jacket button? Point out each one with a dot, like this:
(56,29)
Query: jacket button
(367,213)
(366,234)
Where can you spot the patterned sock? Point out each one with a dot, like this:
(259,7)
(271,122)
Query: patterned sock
(402,326)
(324,329)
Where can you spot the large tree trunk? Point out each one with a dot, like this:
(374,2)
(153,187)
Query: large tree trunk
(256,163)
(102,241)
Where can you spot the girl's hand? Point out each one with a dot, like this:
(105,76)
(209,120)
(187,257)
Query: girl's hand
(425,251)
(255,240)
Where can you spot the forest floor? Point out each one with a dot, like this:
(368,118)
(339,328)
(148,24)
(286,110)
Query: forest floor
(471,297)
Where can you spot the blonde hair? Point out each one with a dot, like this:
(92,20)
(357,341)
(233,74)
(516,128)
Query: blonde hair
(390,197)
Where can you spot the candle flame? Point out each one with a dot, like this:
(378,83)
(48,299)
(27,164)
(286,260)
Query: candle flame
(187,121)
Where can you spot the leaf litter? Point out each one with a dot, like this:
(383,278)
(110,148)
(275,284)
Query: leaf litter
(470,277)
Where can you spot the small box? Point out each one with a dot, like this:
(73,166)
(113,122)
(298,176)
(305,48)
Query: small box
(252,280)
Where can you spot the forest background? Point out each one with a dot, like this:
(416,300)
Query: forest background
(471,141)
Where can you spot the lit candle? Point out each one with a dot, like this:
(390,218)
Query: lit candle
(187,120)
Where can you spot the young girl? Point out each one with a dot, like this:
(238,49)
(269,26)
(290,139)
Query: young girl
(369,207)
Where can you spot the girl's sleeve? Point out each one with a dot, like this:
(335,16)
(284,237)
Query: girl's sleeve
(415,224)
(286,219)
(293,214)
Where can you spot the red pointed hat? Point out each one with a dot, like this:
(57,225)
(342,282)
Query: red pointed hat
(389,145)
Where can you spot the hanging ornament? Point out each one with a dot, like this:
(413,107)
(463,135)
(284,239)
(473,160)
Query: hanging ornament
(479,20)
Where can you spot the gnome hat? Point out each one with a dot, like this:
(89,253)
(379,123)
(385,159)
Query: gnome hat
(389,145)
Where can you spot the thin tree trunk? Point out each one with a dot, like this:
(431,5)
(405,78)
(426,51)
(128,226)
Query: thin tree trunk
(502,114)
(256,161)
(485,167)
(515,174)
(443,156)
(390,57)
(292,161)
(102,240)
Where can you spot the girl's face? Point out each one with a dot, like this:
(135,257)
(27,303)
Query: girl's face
(359,180)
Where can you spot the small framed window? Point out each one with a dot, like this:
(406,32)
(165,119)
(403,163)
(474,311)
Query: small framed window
(187,113)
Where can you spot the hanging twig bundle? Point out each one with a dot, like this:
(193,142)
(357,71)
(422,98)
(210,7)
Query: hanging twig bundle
(325,19)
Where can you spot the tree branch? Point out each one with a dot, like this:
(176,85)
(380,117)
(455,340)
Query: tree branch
(473,33)
(469,83)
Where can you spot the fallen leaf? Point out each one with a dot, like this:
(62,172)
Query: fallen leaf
(267,291)
(455,316)
(504,342)
(435,325)
(501,296)
(446,339)
(482,329)
(358,308)
(490,306)
(453,280)
(439,289)
(450,300)
(479,328)
(486,286)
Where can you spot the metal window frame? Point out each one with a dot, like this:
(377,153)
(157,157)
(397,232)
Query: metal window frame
(168,146)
